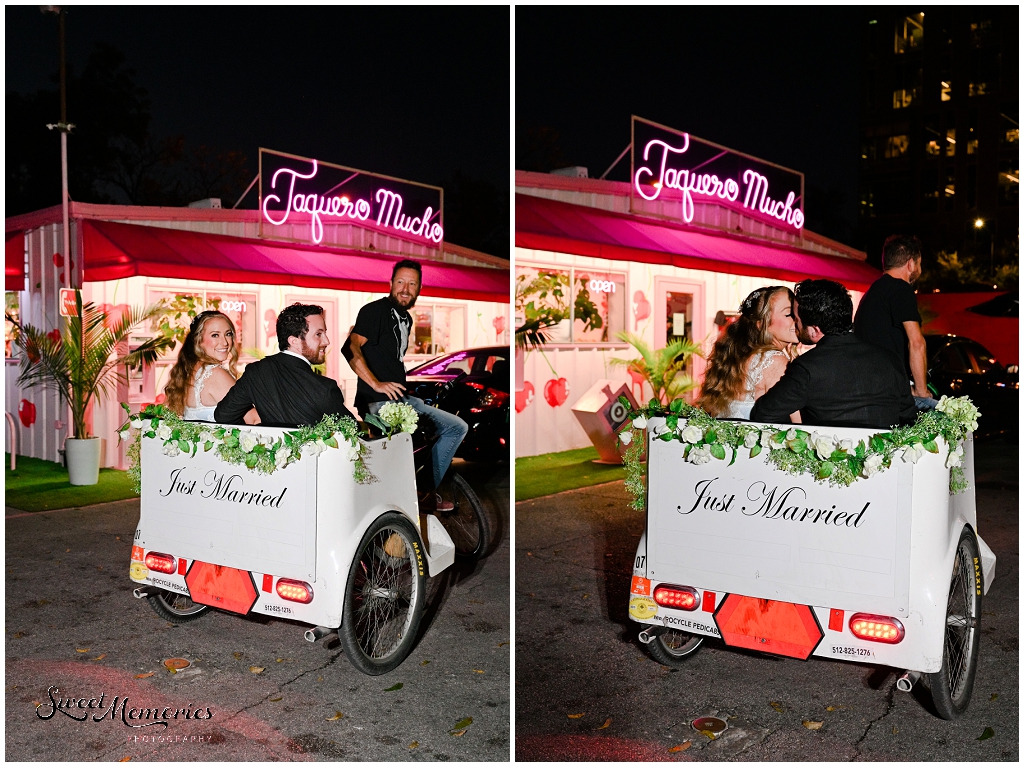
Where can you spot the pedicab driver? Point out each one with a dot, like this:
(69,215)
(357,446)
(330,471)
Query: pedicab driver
(376,351)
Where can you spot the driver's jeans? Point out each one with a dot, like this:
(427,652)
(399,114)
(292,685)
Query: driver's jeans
(450,428)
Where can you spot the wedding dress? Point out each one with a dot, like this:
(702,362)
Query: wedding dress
(740,408)
(201,412)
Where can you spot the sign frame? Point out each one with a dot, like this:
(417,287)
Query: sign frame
(262,233)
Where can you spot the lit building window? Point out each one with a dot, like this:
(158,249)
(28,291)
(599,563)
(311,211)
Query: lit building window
(903,97)
(599,306)
(930,192)
(950,188)
(1011,136)
(1009,181)
(977,89)
(945,90)
(909,33)
(593,310)
(981,32)
(950,142)
(437,329)
(543,296)
(896,146)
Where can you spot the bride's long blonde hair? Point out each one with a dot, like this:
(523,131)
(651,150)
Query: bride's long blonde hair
(191,356)
(725,378)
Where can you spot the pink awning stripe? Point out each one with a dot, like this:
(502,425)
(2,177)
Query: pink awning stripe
(115,251)
(14,264)
(543,224)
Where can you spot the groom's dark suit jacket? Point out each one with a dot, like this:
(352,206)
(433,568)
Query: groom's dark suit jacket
(842,381)
(285,392)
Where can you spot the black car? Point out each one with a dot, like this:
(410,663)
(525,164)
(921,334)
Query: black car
(480,397)
(959,366)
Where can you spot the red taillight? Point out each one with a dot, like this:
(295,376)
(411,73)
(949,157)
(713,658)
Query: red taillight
(162,563)
(877,628)
(491,399)
(678,597)
(294,591)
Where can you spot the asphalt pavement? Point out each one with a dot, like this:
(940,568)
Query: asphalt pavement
(72,624)
(587,690)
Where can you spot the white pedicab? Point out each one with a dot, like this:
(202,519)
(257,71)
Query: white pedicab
(889,570)
(308,543)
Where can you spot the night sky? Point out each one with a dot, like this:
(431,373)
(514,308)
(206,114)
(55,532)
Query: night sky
(418,93)
(782,84)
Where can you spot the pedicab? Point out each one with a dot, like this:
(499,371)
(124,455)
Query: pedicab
(320,528)
(839,543)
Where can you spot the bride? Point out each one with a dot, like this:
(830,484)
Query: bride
(751,355)
(205,369)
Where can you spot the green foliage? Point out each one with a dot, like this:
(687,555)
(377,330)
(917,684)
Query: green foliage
(793,450)
(544,301)
(661,368)
(175,315)
(82,362)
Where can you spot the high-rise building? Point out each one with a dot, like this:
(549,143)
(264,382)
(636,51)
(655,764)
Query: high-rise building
(939,129)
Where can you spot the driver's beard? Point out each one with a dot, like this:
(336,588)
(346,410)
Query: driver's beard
(396,302)
(311,354)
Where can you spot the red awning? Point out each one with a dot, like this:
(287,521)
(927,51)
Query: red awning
(115,251)
(14,271)
(544,224)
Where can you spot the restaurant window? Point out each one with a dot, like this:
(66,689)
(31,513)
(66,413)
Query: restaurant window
(1009,181)
(599,306)
(11,309)
(950,142)
(575,305)
(181,306)
(437,329)
(896,146)
(909,33)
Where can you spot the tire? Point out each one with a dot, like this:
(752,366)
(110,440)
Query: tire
(176,608)
(673,648)
(384,597)
(467,524)
(951,686)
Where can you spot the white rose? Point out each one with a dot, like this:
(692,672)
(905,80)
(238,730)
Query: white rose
(247,441)
(750,440)
(700,454)
(266,440)
(661,428)
(309,449)
(692,434)
(766,438)
(872,465)
(136,423)
(953,459)
(351,451)
(626,437)
(640,422)
(791,434)
(823,445)
(281,457)
(163,431)
(912,452)
(171,449)
(204,437)
(847,446)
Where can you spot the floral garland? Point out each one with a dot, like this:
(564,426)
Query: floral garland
(794,450)
(258,452)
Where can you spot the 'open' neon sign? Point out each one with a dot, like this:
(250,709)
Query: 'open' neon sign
(713,173)
(325,192)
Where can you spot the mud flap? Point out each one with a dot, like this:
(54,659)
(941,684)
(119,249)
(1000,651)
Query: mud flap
(988,563)
(440,550)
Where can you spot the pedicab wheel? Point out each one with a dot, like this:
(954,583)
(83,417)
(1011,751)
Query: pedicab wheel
(467,524)
(951,685)
(384,598)
(673,648)
(176,608)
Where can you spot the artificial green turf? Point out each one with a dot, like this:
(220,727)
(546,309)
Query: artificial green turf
(554,472)
(38,485)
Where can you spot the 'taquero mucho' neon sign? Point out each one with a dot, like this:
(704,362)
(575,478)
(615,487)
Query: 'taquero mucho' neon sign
(709,185)
(389,212)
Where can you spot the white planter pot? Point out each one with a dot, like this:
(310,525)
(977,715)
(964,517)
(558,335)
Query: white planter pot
(83,457)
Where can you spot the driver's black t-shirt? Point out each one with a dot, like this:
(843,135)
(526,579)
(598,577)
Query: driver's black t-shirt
(888,303)
(386,328)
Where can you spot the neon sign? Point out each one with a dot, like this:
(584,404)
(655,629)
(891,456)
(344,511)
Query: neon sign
(665,159)
(601,286)
(290,184)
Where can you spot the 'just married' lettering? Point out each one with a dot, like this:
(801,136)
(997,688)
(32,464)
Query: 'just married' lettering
(221,487)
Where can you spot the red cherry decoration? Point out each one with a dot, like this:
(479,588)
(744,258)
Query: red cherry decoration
(556,392)
(27,413)
(524,397)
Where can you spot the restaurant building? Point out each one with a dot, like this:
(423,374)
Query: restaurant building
(252,263)
(670,254)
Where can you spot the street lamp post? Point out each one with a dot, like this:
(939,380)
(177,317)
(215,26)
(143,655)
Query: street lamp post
(64,127)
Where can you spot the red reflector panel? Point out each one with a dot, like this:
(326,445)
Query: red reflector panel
(223,587)
(182,565)
(835,620)
(678,597)
(162,563)
(877,628)
(708,603)
(268,582)
(780,628)
(137,553)
(294,591)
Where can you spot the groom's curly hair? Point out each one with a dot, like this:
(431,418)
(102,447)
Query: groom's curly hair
(826,304)
(292,322)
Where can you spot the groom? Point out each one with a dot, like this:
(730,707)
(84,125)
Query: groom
(283,387)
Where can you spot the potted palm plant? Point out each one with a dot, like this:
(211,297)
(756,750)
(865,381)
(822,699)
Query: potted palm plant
(82,361)
(662,369)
